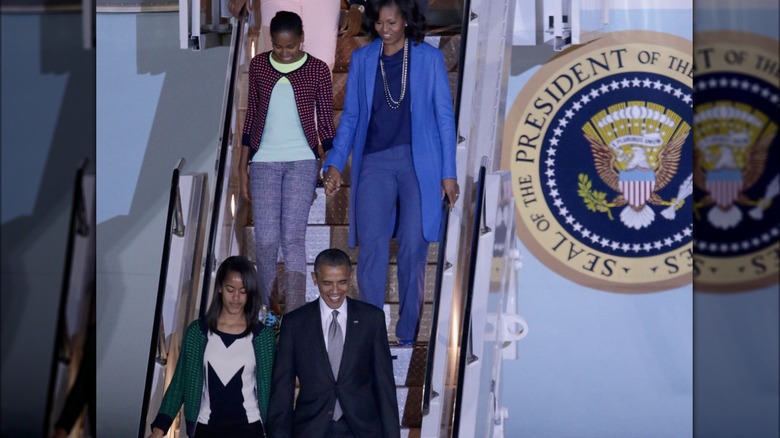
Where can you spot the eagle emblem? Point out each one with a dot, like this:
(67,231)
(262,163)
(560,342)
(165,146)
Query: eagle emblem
(636,148)
(732,143)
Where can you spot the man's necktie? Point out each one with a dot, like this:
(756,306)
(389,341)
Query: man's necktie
(335,348)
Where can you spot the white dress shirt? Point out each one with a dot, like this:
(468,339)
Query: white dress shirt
(326,315)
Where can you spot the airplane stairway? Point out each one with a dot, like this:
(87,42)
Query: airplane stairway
(425,377)
(328,222)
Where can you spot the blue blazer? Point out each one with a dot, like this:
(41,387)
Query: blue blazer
(433,128)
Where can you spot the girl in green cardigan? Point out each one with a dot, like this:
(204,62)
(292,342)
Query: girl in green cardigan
(223,374)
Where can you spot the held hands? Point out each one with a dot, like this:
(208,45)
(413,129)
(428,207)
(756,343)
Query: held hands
(450,189)
(332,181)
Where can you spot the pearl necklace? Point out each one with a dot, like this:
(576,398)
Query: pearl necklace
(392,103)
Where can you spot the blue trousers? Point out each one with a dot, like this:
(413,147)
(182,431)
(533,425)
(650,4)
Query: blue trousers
(387,182)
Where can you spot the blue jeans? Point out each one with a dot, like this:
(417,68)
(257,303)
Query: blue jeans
(387,182)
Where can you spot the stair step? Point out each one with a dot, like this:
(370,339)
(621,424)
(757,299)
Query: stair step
(409,364)
(391,298)
(409,374)
(331,210)
(321,237)
(337,117)
(450,47)
(312,249)
(411,432)
(339,89)
(344,48)
(424,331)
(391,291)
(410,406)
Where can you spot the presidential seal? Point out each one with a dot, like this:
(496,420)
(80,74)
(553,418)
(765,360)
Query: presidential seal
(599,144)
(735,172)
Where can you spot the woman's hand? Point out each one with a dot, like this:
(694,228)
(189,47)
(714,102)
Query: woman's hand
(157,433)
(450,189)
(332,180)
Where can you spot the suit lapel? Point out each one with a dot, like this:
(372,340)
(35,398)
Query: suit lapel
(371,63)
(351,339)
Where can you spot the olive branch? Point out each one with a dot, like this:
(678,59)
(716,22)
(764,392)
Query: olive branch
(594,200)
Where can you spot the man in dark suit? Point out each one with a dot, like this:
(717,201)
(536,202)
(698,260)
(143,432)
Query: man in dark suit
(337,348)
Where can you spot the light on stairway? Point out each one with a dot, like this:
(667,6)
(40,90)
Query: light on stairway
(233,205)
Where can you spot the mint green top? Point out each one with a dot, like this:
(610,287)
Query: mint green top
(283,137)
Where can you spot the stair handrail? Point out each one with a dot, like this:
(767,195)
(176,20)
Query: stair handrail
(162,344)
(219,180)
(441,265)
(158,350)
(466,355)
(79,226)
(464,33)
(173,198)
(178,217)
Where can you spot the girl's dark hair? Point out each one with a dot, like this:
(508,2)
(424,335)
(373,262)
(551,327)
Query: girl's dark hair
(286,21)
(415,22)
(243,267)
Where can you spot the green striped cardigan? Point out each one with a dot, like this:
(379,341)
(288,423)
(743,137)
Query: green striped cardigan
(187,383)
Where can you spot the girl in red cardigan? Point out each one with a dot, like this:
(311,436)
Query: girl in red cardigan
(278,168)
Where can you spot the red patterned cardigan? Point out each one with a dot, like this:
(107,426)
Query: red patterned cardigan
(313,91)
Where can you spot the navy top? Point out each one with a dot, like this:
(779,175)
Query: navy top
(389,127)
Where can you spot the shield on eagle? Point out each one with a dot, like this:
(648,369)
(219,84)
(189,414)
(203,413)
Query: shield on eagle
(637,185)
(724,186)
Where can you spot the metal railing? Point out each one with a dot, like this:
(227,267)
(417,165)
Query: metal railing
(441,265)
(238,41)
(79,226)
(174,216)
(466,356)
(464,33)
(159,347)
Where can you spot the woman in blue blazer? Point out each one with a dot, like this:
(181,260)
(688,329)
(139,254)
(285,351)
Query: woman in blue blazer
(398,123)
